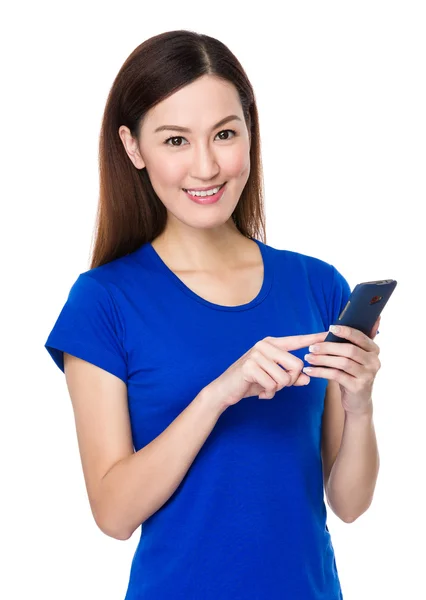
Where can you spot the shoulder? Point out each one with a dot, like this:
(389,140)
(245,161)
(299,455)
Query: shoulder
(311,277)
(116,276)
(303,265)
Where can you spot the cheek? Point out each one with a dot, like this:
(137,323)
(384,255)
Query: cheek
(171,173)
(237,164)
(166,172)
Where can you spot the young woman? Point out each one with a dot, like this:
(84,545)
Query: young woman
(183,349)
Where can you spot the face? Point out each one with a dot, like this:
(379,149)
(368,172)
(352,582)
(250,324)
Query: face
(204,156)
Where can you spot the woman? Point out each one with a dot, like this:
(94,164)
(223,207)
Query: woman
(185,321)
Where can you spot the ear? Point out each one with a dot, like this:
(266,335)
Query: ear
(131,147)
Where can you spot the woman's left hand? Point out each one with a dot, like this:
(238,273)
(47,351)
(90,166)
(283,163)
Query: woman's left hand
(354,366)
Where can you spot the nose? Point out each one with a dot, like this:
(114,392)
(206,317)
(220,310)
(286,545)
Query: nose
(205,166)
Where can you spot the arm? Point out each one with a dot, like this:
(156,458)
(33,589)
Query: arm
(126,487)
(350,457)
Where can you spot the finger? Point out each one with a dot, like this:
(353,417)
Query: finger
(336,362)
(303,379)
(357,337)
(346,380)
(261,377)
(288,361)
(279,375)
(341,349)
(295,342)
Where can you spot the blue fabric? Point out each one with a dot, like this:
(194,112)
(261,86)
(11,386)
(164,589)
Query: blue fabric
(248,521)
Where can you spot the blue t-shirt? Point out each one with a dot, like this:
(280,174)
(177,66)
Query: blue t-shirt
(248,521)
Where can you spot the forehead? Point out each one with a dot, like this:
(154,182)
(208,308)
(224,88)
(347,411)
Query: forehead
(199,104)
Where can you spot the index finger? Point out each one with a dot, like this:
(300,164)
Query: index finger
(294,342)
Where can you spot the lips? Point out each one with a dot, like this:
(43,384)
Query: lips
(207,198)
(205,190)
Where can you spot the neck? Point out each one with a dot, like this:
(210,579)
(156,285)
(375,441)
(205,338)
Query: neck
(205,250)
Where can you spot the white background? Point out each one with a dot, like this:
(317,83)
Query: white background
(341,94)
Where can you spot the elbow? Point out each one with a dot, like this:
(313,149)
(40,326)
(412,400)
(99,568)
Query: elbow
(348,519)
(114,532)
(110,527)
(345,516)
(353,517)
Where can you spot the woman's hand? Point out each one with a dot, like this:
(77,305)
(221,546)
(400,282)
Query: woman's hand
(354,366)
(258,371)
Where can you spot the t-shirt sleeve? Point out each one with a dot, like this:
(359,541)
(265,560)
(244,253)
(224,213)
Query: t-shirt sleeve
(90,327)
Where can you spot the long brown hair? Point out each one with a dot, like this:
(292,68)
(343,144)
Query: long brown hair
(129,211)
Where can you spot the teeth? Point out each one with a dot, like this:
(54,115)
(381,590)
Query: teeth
(208,193)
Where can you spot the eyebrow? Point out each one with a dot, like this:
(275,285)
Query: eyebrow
(187,130)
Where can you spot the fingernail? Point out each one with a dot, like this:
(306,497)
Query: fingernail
(334,328)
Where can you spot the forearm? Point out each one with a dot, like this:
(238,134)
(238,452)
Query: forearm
(139,485)
(353,478)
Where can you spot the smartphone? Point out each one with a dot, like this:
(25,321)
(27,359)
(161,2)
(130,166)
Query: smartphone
(364,306)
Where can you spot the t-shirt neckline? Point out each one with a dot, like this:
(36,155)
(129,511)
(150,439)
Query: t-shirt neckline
(263,292)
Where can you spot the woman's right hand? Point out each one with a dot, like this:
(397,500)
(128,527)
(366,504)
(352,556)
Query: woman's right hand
(258,371)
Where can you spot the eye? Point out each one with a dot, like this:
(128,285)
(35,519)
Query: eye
(179,137)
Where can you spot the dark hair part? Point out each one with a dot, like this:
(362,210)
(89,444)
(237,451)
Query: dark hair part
(129,211)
